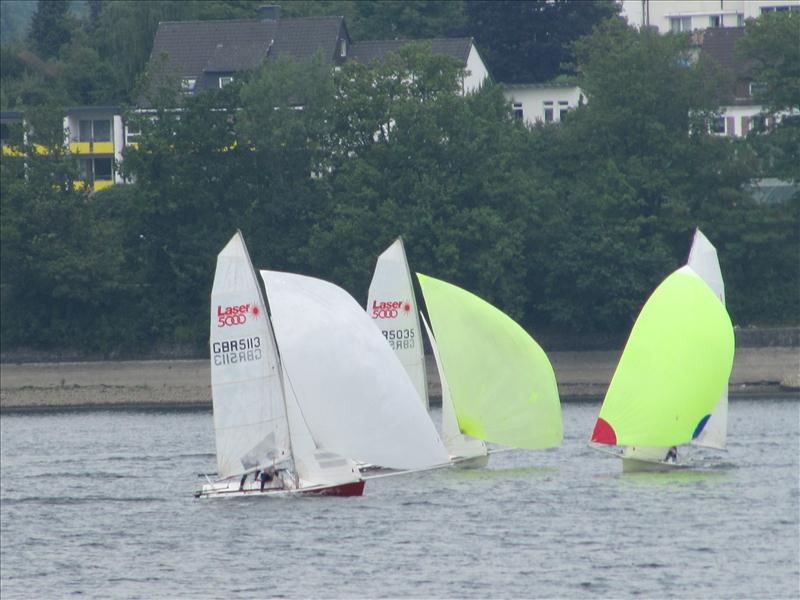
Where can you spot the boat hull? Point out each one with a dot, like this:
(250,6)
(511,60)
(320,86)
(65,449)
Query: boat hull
(635,465)
(351,488)
(470,462)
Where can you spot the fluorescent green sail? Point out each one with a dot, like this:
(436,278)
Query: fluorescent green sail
(502,384)
(674,367)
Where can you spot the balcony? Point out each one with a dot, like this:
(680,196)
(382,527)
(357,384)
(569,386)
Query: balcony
(91,147)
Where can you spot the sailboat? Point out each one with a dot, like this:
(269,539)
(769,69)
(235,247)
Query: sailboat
(670,386)
(258,426)
(392,304)
(274,414)
(354,394)
(502,385)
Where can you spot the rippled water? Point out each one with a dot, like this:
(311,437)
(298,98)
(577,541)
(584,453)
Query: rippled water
(99,504)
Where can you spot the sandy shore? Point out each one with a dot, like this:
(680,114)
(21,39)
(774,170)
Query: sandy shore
(581,376)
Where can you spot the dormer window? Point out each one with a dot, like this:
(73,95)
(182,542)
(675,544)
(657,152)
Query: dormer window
(223,81)
(187,84)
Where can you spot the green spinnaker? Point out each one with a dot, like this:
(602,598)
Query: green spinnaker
(675,365)
(502,384)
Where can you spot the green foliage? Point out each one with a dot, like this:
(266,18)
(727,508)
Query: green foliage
(50,27)
(566,227)
(530,41)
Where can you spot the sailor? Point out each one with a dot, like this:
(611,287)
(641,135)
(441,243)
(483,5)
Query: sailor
(241,483)
(267,475)
(672,455)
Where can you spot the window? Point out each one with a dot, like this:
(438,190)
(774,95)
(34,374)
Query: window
(678,24)
(85,166)
(718,125)
(187,84)
(548,111)
(102,131)
(518,110)
(223,81)
(715,21)
(343,49)
(739,20)
(131,133)
(757,88)
(98,130)
(563,109)
(102,169)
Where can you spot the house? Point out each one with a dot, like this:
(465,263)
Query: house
(461,49)
(683,16)
(740,112)
(96,135)
(205,55)
(543,102)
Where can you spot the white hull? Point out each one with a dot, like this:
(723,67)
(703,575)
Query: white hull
(636,465)
(470,462)
(231,489)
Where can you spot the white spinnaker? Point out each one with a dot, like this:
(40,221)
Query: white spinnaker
(703,261)
(392,305)
(314,466)
(354,394)
(249,411)
(457,444)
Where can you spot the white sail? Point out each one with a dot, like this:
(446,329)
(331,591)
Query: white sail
(458,445)
(354,394)
(393,306)
(703,261)
(314,466)
(249,411)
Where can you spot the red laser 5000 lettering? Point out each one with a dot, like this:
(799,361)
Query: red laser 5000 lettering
(390,310)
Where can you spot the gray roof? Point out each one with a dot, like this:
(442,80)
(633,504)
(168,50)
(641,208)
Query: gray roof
(366,52)
(719,43)
(199,48)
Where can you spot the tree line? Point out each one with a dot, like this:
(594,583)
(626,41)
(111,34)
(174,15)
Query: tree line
(565,227)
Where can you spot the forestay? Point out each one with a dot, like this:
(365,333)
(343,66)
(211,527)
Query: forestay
(673,369)
(503,386)
(393,306)
(249,411)
(354,394)
(703,261)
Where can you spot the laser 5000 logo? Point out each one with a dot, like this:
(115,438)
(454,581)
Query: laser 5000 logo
(230,316)
(391,309)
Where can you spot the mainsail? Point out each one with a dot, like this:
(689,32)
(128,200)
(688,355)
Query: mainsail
(392,305)
(673,369)
(353,392)
(249,410)
(703,261)
(503,386)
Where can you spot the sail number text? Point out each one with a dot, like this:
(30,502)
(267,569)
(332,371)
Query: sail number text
(399,339)
(230,352)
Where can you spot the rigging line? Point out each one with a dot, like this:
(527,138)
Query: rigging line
(299,405)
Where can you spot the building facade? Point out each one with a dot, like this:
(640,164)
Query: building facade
(678,16)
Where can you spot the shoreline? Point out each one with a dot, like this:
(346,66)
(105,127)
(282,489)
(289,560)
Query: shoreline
(176,384)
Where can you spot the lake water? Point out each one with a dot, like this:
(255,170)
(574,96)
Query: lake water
(99,505)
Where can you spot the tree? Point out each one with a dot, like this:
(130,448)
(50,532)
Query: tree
(635,175)
(771,42)
(524,42)
(50,27)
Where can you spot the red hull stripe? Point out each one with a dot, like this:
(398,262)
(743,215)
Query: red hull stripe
(603,433)
(355,488)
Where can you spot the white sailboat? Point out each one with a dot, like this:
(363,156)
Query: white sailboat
(392,304)
(259,427)
(352,390)
(674,368)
